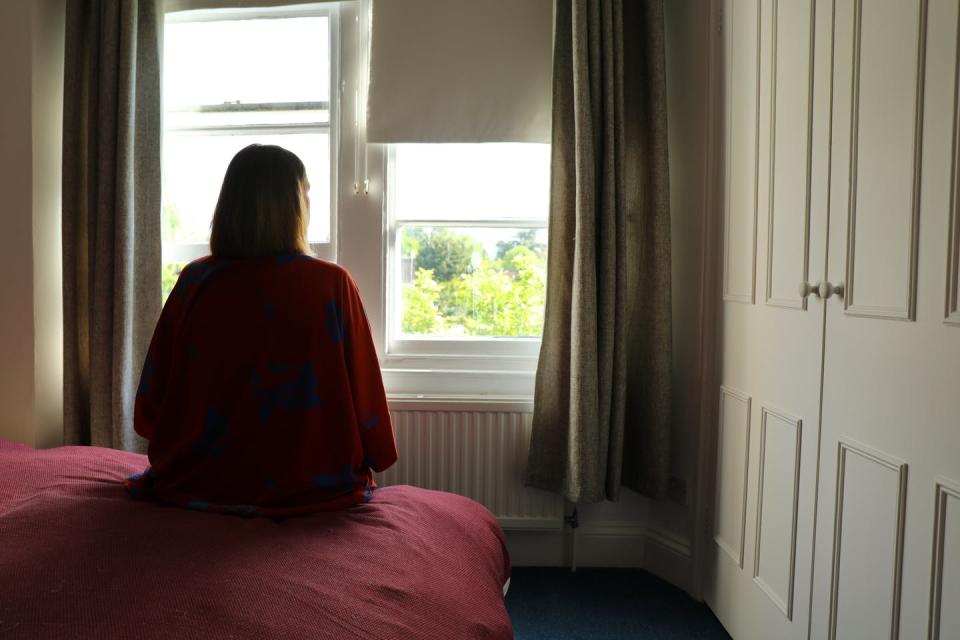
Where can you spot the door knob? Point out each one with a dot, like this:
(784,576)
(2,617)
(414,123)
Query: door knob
(822,289)
(807,288)
(826,289)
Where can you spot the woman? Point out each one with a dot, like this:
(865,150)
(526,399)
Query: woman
(261,393)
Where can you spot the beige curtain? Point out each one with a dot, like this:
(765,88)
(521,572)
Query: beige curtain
(111,213)
(602,403)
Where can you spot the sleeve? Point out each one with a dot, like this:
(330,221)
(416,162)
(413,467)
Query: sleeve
(366,383)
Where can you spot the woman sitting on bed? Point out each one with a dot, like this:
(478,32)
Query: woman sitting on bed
(261,393)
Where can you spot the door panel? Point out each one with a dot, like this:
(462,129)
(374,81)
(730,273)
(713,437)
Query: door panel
(733,452)
(880,48)
(741,81)
(767,450)
(865,584)
(774,567)
(788,206)
(890,451)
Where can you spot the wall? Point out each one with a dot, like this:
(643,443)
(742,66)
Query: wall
(635,531)
(31,48)
(687,25)
(16,241)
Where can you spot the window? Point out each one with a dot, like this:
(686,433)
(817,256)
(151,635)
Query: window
(466,247)
(234,78)
(447,242)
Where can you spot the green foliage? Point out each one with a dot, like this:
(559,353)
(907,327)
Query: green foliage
(526,238)
(410,240)
(499,297)
(447,253)
(420,313)
(169,278)
(172,222)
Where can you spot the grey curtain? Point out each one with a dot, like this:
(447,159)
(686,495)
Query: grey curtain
(603,393)
(111,213)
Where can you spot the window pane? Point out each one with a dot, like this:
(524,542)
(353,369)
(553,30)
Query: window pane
(169,278)
(193,170)
(471,281)
(471,181)
(251,61)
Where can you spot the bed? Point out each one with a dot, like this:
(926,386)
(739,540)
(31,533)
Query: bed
(79,559)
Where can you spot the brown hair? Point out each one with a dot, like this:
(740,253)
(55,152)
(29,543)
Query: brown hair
(262,208)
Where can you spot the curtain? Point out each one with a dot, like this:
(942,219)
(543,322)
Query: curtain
(111,213)
(603,391)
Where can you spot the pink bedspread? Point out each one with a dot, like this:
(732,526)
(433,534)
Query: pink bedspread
(79,559)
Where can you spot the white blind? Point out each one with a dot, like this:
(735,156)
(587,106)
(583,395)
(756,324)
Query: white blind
(460,71)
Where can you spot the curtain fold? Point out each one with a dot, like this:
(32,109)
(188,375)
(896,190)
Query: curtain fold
(111,213)
(603,387)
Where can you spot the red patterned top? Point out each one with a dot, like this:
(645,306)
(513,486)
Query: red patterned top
(261,393)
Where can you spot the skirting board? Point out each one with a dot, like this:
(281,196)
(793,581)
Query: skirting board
(606,545)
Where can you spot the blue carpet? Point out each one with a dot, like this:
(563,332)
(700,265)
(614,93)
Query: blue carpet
(604,604)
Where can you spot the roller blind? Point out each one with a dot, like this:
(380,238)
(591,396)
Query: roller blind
(460,71)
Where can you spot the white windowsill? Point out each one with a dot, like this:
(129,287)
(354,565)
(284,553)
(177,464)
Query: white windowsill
(446,383)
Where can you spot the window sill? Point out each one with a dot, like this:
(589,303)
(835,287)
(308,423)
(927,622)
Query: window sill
(469,403)
(422,383)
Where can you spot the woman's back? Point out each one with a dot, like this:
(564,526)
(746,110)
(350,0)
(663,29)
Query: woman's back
(261,392)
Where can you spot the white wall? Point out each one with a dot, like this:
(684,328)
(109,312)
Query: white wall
(687,25)
(31,73)
(47,111)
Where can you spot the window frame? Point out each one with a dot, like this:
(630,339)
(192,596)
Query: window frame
(184,252)
(474,349)
(361,234)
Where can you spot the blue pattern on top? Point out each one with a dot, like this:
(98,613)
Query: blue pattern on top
(335,322)
(214,428)
(344,478)
(370,423)
(287,396)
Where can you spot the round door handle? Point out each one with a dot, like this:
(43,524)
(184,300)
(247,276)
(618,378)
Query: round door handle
(807,288)
(822,289)
(825,289)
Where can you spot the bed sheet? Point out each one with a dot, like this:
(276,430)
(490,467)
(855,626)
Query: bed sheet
(80,559)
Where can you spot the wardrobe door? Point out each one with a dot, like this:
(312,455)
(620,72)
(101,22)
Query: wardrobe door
(775,115)
(888,531)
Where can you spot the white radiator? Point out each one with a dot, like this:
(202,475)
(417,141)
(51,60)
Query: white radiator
(478,454)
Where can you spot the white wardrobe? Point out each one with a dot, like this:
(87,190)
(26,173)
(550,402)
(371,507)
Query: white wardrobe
(837,508)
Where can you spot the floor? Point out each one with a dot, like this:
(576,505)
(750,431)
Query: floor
(602,604)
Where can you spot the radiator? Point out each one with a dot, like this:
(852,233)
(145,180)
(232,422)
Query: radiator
(478,454)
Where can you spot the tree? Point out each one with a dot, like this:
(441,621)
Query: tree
(448,254)
(526,238)
(420,313)
(410,240)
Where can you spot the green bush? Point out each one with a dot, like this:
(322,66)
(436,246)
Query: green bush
(500,297)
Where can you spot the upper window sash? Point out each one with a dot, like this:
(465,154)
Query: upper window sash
(278,117)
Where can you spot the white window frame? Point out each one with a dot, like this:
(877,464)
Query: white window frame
(473,349)
(362,235)
(500,368)
(182,252)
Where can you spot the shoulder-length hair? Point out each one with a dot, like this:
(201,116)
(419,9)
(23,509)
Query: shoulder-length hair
(263,208)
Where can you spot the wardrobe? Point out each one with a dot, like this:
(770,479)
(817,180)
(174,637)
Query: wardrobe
(837,505)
